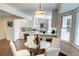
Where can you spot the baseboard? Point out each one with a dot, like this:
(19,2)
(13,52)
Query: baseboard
(65,53)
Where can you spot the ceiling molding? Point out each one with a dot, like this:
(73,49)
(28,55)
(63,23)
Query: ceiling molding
(13,11)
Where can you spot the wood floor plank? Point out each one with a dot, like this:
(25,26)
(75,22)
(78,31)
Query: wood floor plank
(5,49)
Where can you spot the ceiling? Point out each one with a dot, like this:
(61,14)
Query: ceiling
(3,13)
(30,8)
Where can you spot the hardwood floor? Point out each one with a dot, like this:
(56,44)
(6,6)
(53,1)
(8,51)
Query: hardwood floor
(5,49)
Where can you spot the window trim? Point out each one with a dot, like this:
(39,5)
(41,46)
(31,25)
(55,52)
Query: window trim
(76,11)
(66,14)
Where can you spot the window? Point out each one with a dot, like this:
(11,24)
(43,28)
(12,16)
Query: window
(77,30)
(66,27)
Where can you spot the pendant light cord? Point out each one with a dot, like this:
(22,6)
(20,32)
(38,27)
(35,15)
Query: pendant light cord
(40,6)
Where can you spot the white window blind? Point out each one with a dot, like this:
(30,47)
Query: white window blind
(66,27)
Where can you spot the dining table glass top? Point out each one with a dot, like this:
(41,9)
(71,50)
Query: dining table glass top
(43,45)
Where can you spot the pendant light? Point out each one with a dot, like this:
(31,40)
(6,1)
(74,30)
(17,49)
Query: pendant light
(40,13)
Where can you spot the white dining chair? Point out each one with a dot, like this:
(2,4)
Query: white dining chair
(30,38)
(52,51)
(55,43)
(23,52)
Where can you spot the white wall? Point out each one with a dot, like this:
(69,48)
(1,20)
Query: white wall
(17,29)
(9,30)
(18,23)
(56,22)
(6,32)
(2,28)
(26,23)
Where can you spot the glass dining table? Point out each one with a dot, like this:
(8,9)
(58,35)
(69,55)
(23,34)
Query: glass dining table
(34,50)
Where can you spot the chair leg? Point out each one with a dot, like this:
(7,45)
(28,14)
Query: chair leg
(45,53)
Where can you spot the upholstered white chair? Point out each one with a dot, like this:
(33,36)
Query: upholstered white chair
(52,51)
(30,38)
(55,47)
(55,43)
(23,52)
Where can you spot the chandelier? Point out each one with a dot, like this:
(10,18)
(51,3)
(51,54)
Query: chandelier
(40,13)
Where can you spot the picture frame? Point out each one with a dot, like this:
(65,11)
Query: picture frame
(44,26)
(10,24)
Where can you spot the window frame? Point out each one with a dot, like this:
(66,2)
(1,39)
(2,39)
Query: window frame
(61,16)
(75,12)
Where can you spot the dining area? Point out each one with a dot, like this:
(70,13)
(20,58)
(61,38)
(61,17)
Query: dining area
(35,46)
